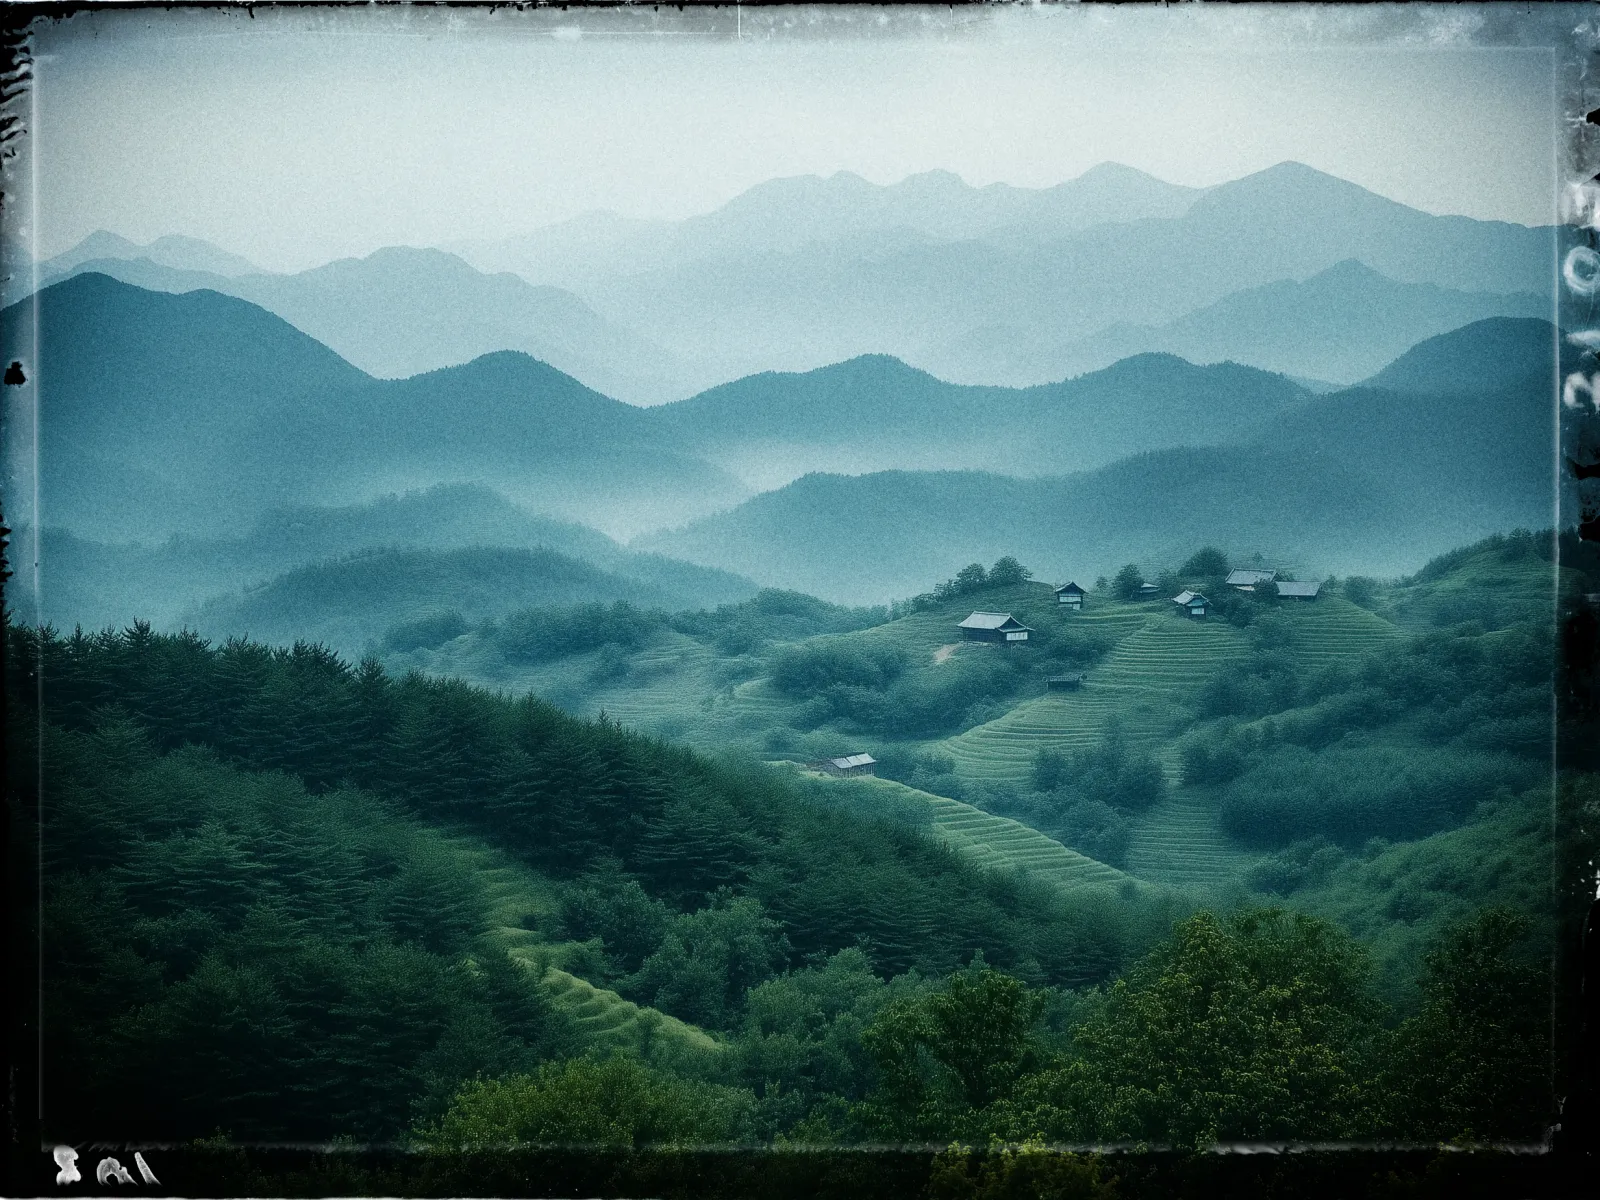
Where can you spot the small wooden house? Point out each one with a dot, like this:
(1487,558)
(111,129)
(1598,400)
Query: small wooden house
(850,764)
(1064,683)
(1290,590)
(1071,595)
(1246,579)
(1148,591)
(1192,603)
(994,627)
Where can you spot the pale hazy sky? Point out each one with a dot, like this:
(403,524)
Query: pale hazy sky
(296,137)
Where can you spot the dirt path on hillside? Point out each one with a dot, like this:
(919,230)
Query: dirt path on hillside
(944,652)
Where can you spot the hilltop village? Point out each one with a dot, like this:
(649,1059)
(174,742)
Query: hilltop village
(1245,590)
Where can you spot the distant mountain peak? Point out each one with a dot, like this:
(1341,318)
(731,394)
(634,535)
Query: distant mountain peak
(1484,356)
(1351,268)
(174,250)
(413,256)
(102,243)
(878,366)
(1114,170)
(937,178)
(1281,181)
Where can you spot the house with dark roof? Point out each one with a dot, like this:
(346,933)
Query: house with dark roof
(1192,603)
(1070,594)
(1246,579)
(850,764)
(994,627)
(1291,590)
(1148,591)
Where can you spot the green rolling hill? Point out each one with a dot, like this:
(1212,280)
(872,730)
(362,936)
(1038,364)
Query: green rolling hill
(1147,671)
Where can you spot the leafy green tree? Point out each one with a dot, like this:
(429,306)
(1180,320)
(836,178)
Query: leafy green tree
(1358,589)
(799,1046)
(1008,572)
(970,578)
(708,959)
(826,662)
(1205,564)
(584,1102)
(1049,769)
(609,904)
(945,1056)
(1473,1065)
(1262,1026)
(425,632)
(1126,583)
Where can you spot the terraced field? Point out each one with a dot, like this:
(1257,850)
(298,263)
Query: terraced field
(1331,629)
(669,689)
(606,1019)
(1141,685)
(603,1017)
(1002,842)
(1179,842)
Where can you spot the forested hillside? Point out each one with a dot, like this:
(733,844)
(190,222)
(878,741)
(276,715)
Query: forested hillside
(269,935)
(451,533)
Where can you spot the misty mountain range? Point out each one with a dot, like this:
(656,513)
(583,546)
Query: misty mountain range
(916,377)
(402,312)
(1454,436)
(202,417)
(1341,325)
(1288,269)
(195,413)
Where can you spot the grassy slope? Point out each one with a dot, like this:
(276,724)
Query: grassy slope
(1000,841)
(1145,686)
(1483,586)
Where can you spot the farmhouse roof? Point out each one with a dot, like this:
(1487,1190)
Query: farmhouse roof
(853,760)
(1288,588)
(1187,598)
(1245,577)
(989,620)
(1069,587)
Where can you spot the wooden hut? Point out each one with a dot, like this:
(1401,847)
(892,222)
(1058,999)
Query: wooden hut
(1071,595)
(1192,603)
(1246,580)
(850,764)
(994,627)
(1291,590)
